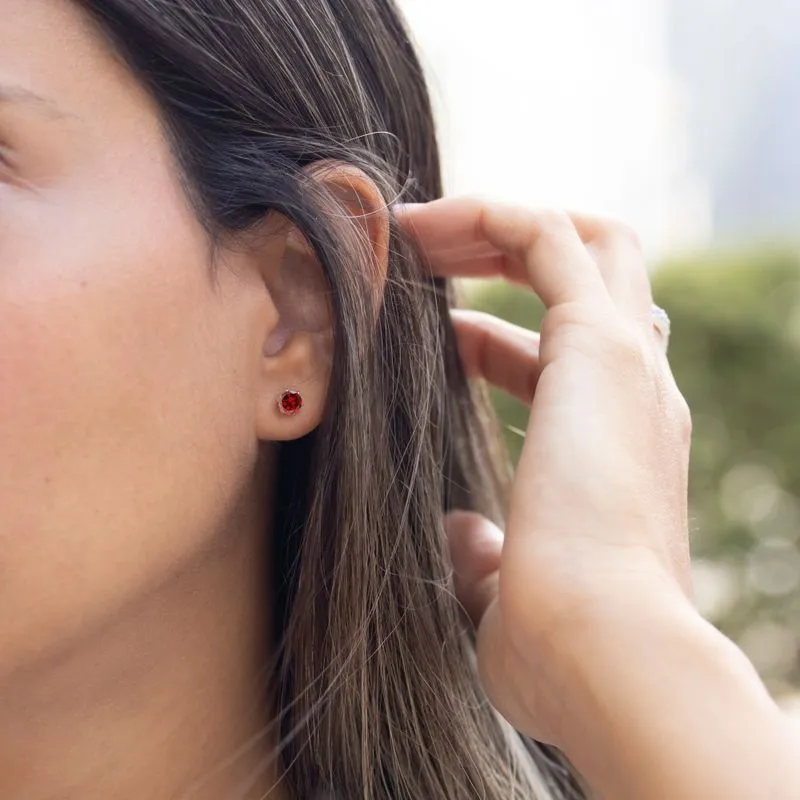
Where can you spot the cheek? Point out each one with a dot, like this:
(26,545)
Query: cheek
(120,437)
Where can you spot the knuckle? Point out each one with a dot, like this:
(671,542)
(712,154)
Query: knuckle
(553,216)
(599,334)
(627,233)
(572,315)
(625,347)
(552,221)
(683,417)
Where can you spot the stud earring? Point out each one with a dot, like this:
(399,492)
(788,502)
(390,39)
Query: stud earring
(290,402)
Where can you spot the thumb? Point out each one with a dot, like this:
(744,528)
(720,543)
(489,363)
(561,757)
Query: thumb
(475,544)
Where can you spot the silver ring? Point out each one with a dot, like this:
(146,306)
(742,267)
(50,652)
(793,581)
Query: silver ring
(661,321)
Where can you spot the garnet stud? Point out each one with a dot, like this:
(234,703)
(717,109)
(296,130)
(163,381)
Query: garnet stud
(290,402)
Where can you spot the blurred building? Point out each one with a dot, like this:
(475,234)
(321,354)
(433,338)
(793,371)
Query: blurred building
(739,62)
(568,103)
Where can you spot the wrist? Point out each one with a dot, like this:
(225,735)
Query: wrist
(595,650)
(646,690)
(616,627)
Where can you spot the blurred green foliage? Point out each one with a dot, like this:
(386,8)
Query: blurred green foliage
(735,352)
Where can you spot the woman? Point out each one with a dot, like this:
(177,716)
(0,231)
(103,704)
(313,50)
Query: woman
(236,416)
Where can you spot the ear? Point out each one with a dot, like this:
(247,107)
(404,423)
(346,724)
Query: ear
(298,337)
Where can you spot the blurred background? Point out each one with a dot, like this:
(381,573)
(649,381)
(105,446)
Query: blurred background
(681,117)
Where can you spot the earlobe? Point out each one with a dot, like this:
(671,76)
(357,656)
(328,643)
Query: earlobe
(297,348)
(290,402)
(295,340)
(293,389)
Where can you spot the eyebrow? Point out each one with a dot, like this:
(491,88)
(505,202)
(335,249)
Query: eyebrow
(13,93)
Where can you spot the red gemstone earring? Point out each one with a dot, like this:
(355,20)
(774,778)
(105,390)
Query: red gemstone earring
(290,402)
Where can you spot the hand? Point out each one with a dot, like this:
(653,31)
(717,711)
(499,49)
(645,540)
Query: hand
(597,526)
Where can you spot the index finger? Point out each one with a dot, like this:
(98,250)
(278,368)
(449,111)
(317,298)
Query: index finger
(558,266)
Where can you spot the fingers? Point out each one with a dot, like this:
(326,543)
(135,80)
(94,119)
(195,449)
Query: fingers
(475,546)
(566,258)
(505,355)
(618,253)
(556,253)
(467,264)
(557,265)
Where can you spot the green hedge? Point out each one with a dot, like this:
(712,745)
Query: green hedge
(735,351)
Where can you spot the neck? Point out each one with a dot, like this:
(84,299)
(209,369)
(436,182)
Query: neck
(160,704)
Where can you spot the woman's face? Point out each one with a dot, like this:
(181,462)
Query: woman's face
(127,380)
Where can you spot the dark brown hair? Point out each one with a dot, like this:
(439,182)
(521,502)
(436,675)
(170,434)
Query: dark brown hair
(374,685)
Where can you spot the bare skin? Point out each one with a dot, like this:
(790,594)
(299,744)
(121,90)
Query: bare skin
(137,402)
(587,634)
(135,398)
